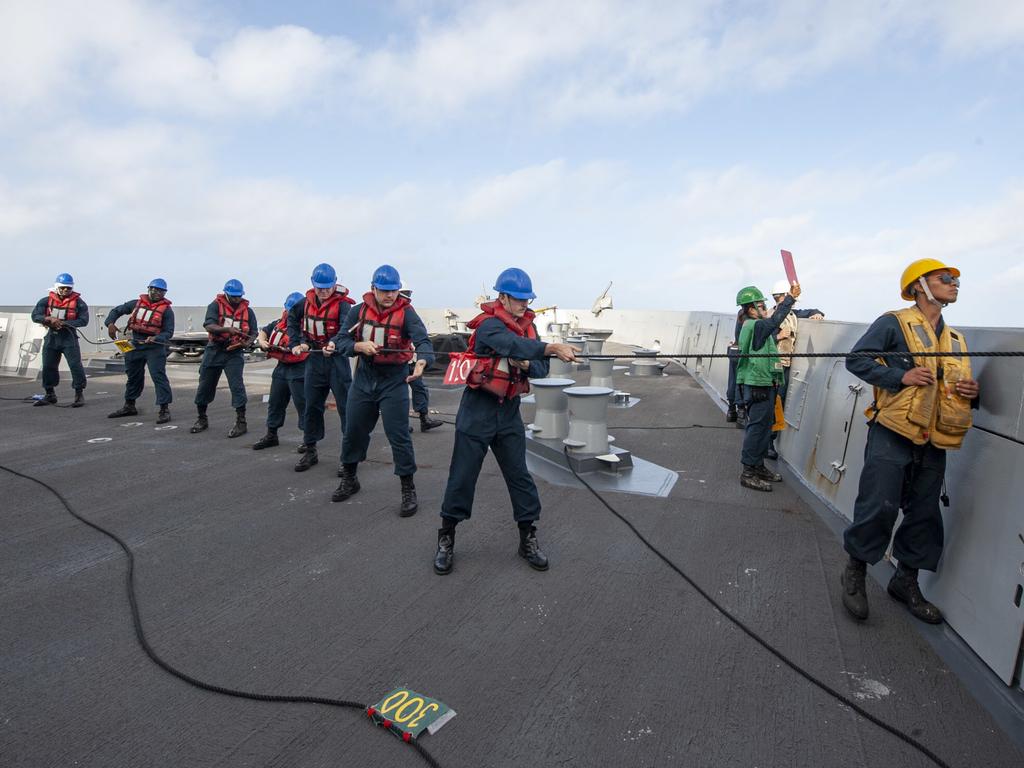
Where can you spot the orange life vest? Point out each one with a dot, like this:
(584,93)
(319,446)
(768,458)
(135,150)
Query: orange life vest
(384,328)
(280,346)
(147,319)
(62,309)
(229,316)
(322,323)
(496,374)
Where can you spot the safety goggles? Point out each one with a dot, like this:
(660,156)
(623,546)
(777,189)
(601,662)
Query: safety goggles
(947,279)
(761,305)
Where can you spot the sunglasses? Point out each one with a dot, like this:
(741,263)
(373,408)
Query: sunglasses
(947,279)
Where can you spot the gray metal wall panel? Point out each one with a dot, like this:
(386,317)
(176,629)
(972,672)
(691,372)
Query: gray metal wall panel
(983,561)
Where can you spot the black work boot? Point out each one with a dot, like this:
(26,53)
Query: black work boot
(445,557)
(855,597)
(128,409)
(269,440)
(349,484)
(79,400)
(202,423)
(530,549)
(750,479)
(766,474)
(730,414)
(164,415)
(427,423)
(301,448)
(772,454)
(50,398)
(309,458)
(409,505)
(240,427)
(904,587)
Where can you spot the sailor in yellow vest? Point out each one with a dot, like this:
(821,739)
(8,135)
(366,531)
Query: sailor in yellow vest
(922,409)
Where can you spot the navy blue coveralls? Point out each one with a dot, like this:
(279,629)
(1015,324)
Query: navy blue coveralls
(323,374)
(897,474)
(380,390)
(62,342)
(483,422)
(420,395)
(217,359)
(286,383)
(734,394)
(760,404)
(152,356)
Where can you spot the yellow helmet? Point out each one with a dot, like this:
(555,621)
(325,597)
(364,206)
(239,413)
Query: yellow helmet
(918,269)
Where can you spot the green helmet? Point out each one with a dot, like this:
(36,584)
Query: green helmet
(748,295)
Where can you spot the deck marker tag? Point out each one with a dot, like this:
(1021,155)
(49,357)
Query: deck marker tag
(132,424)
(165,426)
(411,712)
(459,366)
(100,440)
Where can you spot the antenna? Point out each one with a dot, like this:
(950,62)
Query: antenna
(602,302)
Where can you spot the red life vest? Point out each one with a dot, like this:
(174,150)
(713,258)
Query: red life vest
(322,323)
(384,328)
(147,319)
(62,309)
(496,374)
(278,341)
(229,316)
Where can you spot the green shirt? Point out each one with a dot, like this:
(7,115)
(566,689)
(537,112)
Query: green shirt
(758,371)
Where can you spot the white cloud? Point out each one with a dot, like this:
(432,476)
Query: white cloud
(502,193)
(267,68)
(603,58)
(51,50)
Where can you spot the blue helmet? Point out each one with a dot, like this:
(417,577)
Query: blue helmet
(158,282)
(293,299)
(324,276)
(64,280)
(386,278)
(515,283)
(234,288)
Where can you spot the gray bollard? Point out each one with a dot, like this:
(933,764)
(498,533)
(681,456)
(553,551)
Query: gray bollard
(588,419)
(645,368)
(601,372)
(551,419)
(558,369)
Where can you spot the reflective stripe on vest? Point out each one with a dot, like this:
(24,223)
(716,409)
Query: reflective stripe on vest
(384,328)
(322,322)
(497,375)
(62,309)
(147,319)
(278,342)
(229,316)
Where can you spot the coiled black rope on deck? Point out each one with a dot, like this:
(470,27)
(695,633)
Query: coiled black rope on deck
(760,640)
(184,676)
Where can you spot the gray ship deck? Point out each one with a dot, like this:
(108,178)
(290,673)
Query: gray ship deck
(248,577)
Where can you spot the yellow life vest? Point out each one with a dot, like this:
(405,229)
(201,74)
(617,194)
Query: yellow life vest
(787,344)
(935,414)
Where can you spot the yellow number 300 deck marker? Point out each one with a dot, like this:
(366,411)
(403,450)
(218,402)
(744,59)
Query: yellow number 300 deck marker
(406,712)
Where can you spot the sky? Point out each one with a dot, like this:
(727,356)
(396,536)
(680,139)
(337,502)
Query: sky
(669,148)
